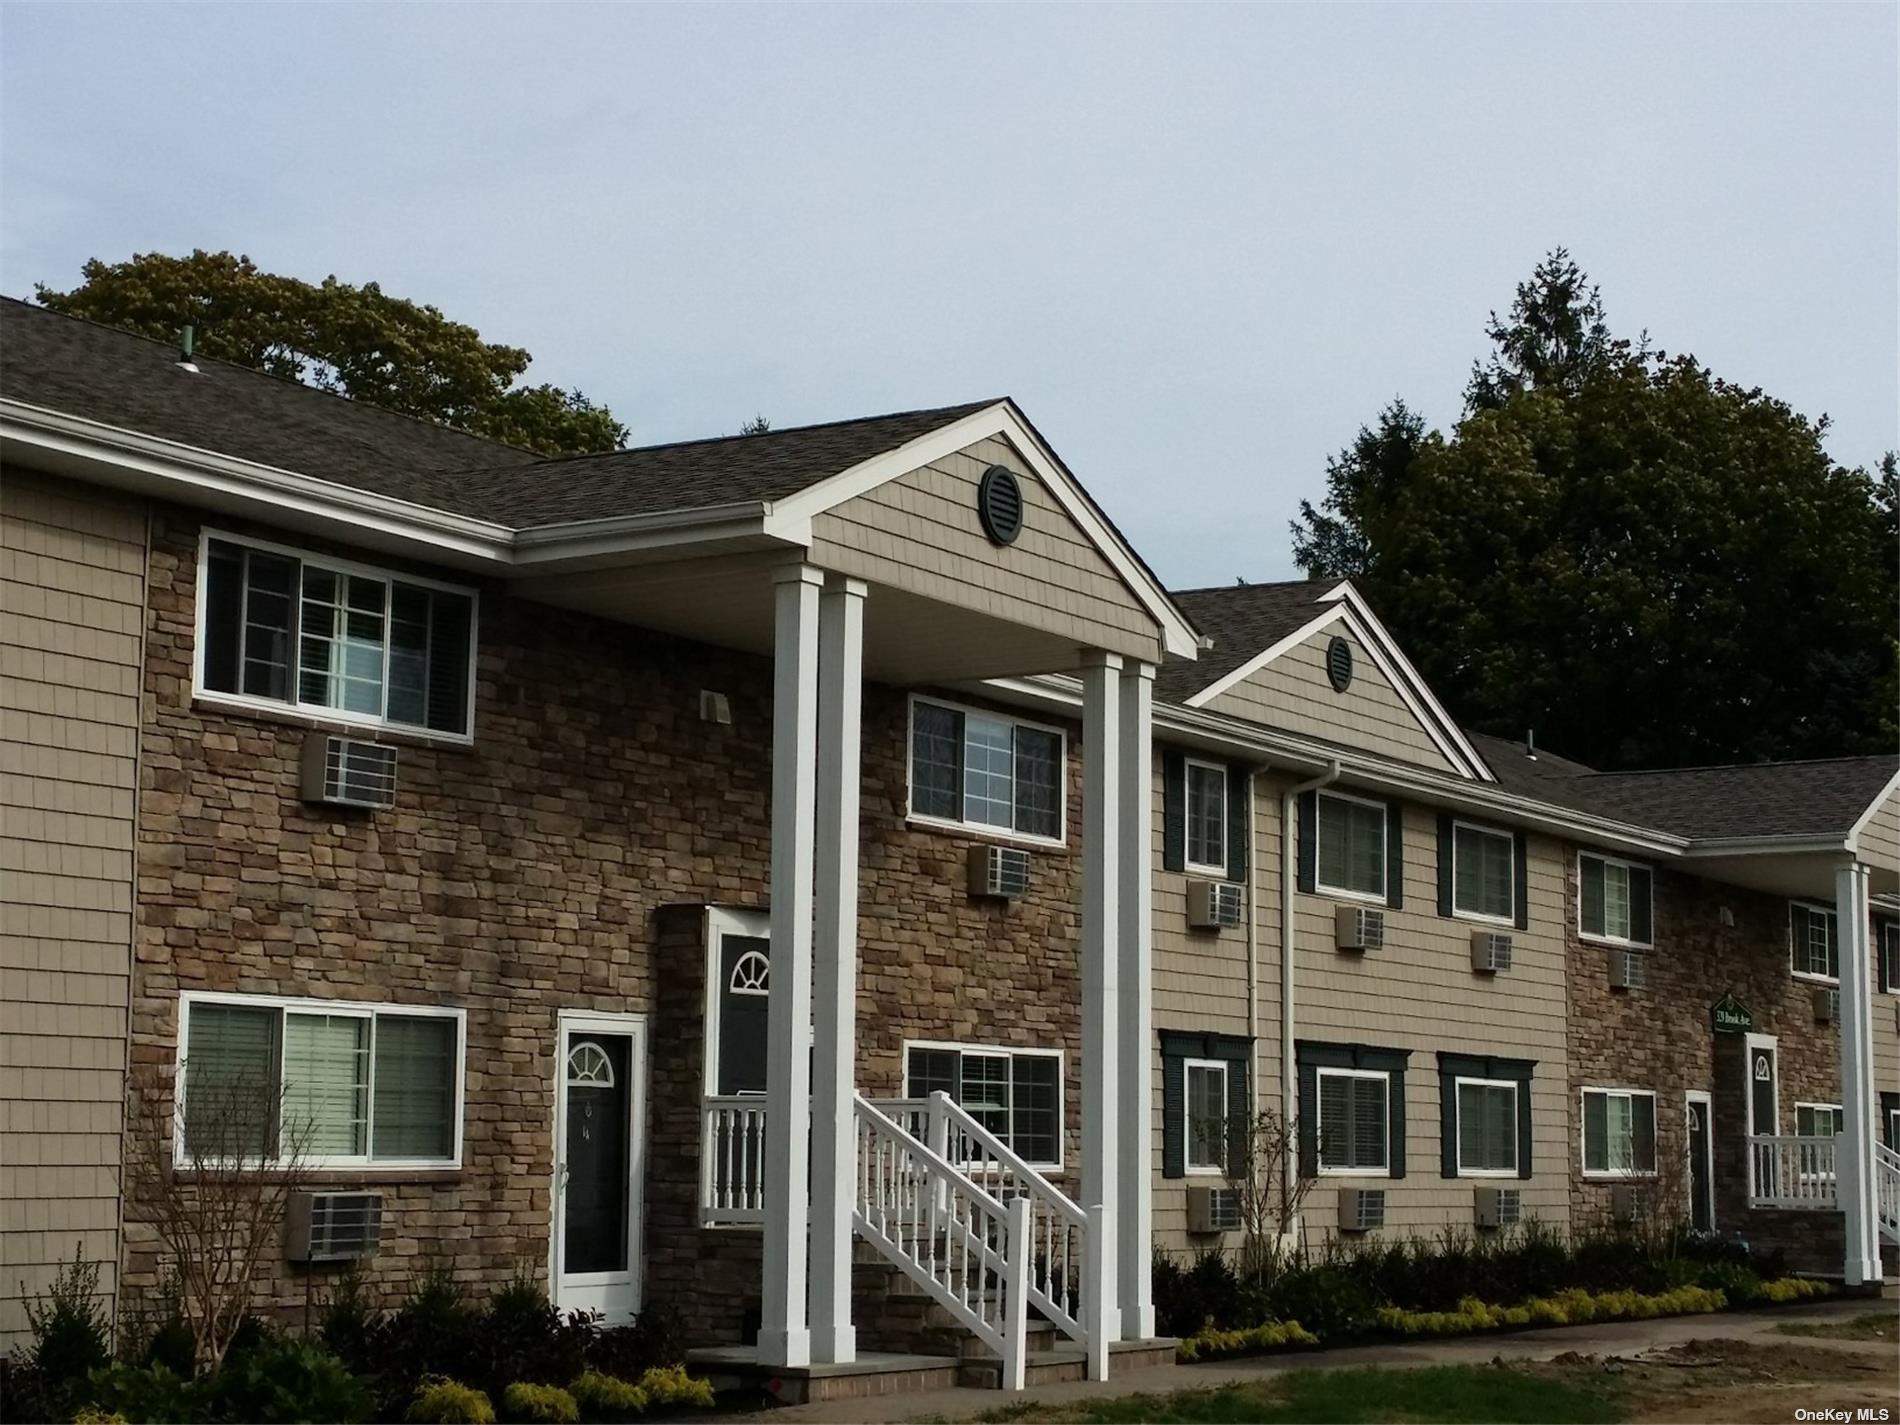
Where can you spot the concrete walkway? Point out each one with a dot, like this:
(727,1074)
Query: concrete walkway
(1626,1338)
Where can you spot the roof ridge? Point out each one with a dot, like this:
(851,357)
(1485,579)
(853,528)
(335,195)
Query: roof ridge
(1749,766)
(289,381)
(1260,584)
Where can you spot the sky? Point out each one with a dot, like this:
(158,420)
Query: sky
(1200,245)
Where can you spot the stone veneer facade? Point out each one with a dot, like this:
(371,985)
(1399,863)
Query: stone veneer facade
(561,862)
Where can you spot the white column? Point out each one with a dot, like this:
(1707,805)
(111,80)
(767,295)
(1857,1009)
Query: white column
(1134,1220)
(1101,967)
(784,1339)
(1854,1151)
(835,958)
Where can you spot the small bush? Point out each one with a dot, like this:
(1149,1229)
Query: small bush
(154,1392)
(72,1336)
(538,1403)
(606,1397)
(670,1385)
(1329,1299)
(350,1320)
(656,1337)
(445,1402)
(1793,1289)
(91,1415)
(279,1381)
(518,1336)
(1211,1343)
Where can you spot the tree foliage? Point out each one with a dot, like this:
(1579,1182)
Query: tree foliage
(1645,563)
(355,341)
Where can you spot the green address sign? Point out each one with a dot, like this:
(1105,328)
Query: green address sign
(1730,1016)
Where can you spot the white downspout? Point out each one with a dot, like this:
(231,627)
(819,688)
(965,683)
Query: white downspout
(1289,883)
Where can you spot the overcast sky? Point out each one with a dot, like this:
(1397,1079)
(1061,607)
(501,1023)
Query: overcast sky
(1199,245)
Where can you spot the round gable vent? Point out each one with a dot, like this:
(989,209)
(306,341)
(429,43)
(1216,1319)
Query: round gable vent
(999,503)
(1339,664)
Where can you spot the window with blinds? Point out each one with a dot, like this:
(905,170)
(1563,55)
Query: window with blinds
(1017,1095)
(982,769)
(1487,1127)
(355,643)
(1354,1136)
(1814,942)
(1484,877)
(1351,845)
(1205,1086)
(1613,900)
(1619,1132)
(335,1084)
(1206,789)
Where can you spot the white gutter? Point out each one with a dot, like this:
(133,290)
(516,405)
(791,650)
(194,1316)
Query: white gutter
(1289,884)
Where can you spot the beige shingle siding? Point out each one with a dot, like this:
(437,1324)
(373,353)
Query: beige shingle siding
(920,533)
(72,562)
(1293,693)
(1880,837)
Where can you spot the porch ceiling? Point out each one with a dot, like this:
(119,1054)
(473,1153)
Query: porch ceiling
(1805,875)
(726,600)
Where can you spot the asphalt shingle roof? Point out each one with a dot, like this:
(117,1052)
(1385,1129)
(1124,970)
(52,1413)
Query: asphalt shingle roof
(1242,620)
(102,374)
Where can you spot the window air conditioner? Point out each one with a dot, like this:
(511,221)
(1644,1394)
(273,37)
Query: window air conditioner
(999,872)
(342,771)
(1629,970)
(1827,1006)
(1490,951)
(1623,1204)
(1359,928)
(1212,1209)
(1213,905)
(333,1226)
(1361,1209)
(1499,1207)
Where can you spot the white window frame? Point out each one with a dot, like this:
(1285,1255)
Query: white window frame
(1188,1067)
(1210,868)
(1509,918)
(1802,1103)
(1607,939)
(722,921)
(1583,1150)
(361,1164)
(1458,1124)
(1012,1052)
(1893,1128)
(1883,930)
(315,713)
(978,828)
(1320,1075)
(1383,895)
(1812,908)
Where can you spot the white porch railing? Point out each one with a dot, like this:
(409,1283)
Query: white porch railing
(732,1161)
(1887,1189)
(1786,1170)
(1058,1227)
(966,1248)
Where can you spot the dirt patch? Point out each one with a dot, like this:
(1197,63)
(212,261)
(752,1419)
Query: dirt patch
(1746,1382)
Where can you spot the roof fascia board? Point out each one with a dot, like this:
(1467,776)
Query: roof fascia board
(1249,741)
(1873,810)
(1265,656)
(1413,688)
(1819,842)
(1178,635)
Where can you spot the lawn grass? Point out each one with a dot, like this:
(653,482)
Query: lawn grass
(1450,1394)
(1871,1326)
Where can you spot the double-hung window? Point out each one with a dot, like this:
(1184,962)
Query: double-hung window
(983,769)
(1619,1133)
(1613,903)
(1206,817)
(331,1084)
(1205,1081)
(1814,943)
(280,627)
(1487,1127)
(1483,872)
(1014,1093)
(1350,836)
(1889,943)
(1354,1117)
(1818,1120)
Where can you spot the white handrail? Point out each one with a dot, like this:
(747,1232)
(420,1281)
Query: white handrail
(1887,1189)
(1788,1170)
(963,1246)
(1059,1228)
(732,1160)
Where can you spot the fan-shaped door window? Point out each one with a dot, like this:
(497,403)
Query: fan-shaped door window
(751,975)
(589,1067)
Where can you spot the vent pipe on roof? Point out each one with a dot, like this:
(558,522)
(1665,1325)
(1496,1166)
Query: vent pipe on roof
(1530,743)
(184,349)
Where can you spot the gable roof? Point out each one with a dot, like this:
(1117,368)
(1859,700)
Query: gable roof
(1240,619)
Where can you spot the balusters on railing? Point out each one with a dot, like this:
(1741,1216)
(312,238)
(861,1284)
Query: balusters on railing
(1788,1170)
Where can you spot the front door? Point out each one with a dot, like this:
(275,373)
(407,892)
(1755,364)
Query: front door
(1764,1113)
(1701,1164)
(598,1122)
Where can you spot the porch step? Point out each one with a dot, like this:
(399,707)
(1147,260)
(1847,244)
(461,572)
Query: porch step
(1067,1363)
(737,1368)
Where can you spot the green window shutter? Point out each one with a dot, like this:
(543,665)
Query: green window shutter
(1395,854)
(1590,892)
(1642,926)
(1308,834)
(1308,1125)
(1173,810)
(1798,937)
(1883,953)
(1521,871)
(1643,1133)
(1596,1133)
(1173,1116)
(1444,863)
(1239,820)
(1239,1115)
(1396,1128)
(1447,1120)
(414,1111)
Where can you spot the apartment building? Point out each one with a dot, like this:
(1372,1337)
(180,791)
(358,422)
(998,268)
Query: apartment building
(588,854)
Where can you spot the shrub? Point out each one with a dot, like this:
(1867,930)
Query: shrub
(154,1392)
(72,1336)
(1211,1343)
(1207,1289)
(26,1393)
(349,1321)
(670,1385)
(1793,1289)
(656,1337)
(439,1401)
(522,1401)
(520,1337)
(283,1380)
(1328,1299)
(606,1397)
(91,1415)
